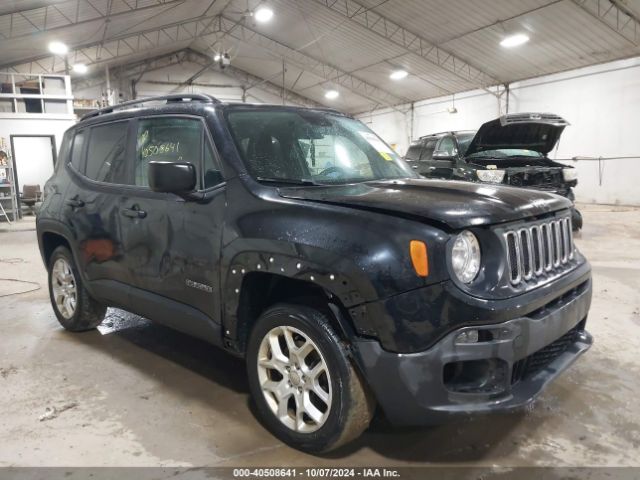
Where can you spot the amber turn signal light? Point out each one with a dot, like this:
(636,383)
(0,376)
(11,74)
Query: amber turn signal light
(419,257)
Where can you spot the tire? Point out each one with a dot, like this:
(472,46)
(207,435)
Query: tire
(347,407)
(576,219)
(79,312)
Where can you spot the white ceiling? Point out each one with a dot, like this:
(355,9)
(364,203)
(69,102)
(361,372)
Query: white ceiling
(351,46)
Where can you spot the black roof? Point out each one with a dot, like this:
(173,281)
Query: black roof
(178,103)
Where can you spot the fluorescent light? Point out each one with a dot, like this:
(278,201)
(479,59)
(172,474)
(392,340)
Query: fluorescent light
(80,68)
(514,40)
(332,94)
(58,48)
(398,74)
(263,14)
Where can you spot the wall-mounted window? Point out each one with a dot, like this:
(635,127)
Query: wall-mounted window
(35,93)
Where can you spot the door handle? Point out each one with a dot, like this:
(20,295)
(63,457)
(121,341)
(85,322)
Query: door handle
(75,203)
(133,213)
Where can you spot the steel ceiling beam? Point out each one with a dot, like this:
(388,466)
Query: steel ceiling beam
(136,70)
(117,47)
(131,70)
(303,61)
(410,41)
(615,16)
(247,81)
(70,13)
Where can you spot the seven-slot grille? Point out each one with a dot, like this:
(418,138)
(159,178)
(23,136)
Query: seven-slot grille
(537,249)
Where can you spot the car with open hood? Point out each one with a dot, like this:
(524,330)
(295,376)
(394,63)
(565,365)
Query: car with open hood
(511,150)
(299,241)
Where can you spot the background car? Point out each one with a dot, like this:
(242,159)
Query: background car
(512,150)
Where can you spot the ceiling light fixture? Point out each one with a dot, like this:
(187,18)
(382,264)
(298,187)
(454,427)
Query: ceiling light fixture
(263,14)
(58,48)
(80,68)
(217,57)
(398,74)
(332,94)
(514,40)
(452,109)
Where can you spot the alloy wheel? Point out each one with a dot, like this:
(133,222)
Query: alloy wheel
(63,284)
(294,379)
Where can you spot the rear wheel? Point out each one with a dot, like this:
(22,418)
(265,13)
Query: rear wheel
(75,309)
(305,387)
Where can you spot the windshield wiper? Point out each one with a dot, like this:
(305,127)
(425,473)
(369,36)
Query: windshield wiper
(287,181)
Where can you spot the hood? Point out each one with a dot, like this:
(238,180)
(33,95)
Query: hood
(453,203)
(528,131)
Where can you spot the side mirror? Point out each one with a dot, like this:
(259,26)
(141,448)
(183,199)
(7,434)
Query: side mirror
(442,155)
(172,177)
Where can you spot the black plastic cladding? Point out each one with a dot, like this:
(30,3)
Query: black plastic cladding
(352,241)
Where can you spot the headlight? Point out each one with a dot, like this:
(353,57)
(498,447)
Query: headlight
(570,174)
(465,256)
(490,176)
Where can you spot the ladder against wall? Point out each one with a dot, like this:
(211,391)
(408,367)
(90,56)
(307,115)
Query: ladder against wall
(8,191)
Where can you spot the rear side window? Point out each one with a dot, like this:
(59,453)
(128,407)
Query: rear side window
(427,151)
(76,150)
(65,147)
(106,153)
(169,139)
(414,152)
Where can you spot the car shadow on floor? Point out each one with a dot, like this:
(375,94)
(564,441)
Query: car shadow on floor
(180,349)
(468,439)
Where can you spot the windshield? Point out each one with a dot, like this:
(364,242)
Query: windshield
(506,153)
(311,147)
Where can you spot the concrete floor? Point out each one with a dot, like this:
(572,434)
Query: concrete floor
(138,394)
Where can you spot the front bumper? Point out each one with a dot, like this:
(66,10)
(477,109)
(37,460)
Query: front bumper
(417,388)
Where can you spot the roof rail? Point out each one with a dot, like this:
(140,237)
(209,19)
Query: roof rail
(178,97)
(448,132)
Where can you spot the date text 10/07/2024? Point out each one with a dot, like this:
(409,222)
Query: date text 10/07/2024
(316,472)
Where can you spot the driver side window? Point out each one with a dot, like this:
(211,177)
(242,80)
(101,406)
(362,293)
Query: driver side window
(170,139)
(448,146)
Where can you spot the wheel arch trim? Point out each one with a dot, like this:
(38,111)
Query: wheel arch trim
(344,289)
(50,226)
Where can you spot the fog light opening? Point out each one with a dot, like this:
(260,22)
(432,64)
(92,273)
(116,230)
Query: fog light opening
(476,376)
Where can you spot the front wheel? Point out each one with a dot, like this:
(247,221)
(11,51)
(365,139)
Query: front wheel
(576,219)
(305,388)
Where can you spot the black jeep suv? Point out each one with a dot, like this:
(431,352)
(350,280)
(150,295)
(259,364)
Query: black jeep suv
(511,150)
(297,239)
